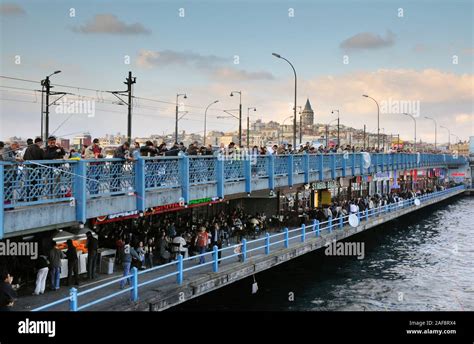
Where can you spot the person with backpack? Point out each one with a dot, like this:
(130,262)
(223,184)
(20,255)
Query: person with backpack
(201,243)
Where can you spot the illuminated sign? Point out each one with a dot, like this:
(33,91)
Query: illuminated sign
(155,210)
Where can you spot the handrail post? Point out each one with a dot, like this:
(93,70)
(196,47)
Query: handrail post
(271,171)
(184,171)
(332,160)
(135,284)
(180,269)
(344,165)
(353,162)
(215,255)
(367,214)
(2,200)
(73,300)
(267,243)
(303,232)
(244,250)
(321,166)
(358,215)
(341,222)
(286,238)
(316,227)
(290,169)
(330,224)
(306,167)
(248,174)
(80,195)
(220,176)
(140,183)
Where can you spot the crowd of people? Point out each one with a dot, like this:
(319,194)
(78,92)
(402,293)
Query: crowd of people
(36,150)
(359,205)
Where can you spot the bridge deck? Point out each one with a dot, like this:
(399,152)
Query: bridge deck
(166,293)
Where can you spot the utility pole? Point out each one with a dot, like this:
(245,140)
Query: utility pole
(248,124)
(177,112)
(129,82)
(301,126)
(46,88)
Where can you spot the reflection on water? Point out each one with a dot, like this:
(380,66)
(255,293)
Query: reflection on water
(423,261)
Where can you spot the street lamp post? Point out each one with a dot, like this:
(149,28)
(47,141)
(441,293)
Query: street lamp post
(248,124)
(414,120)
(45,116)
(301,125)
(205,119)
(449,135)
(177,110)
(436,124)
(294,108)
(327,132)
(338,139)
(378,120)
(240,115)
(282,125)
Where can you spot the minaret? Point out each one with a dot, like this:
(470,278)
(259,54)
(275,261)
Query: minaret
(307,115)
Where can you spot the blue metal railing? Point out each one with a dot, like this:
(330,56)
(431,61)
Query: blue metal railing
(241,251)
(52,181)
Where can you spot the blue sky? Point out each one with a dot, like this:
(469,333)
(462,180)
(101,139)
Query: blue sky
(202,45)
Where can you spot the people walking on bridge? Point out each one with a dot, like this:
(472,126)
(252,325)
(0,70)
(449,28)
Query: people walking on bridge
(92,246)
(202,243)
(55,257)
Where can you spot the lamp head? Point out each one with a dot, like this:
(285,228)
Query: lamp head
(185,96)
(231,94)
(57,72)
(276,55)
(365,95)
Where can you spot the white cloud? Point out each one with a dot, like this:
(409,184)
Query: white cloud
(368,40)
(110,24)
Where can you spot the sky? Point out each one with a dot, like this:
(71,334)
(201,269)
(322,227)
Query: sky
(417,54)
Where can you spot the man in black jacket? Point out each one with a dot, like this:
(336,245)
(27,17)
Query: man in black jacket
(92,246)
(53,151)
(7,294)
(34,152)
